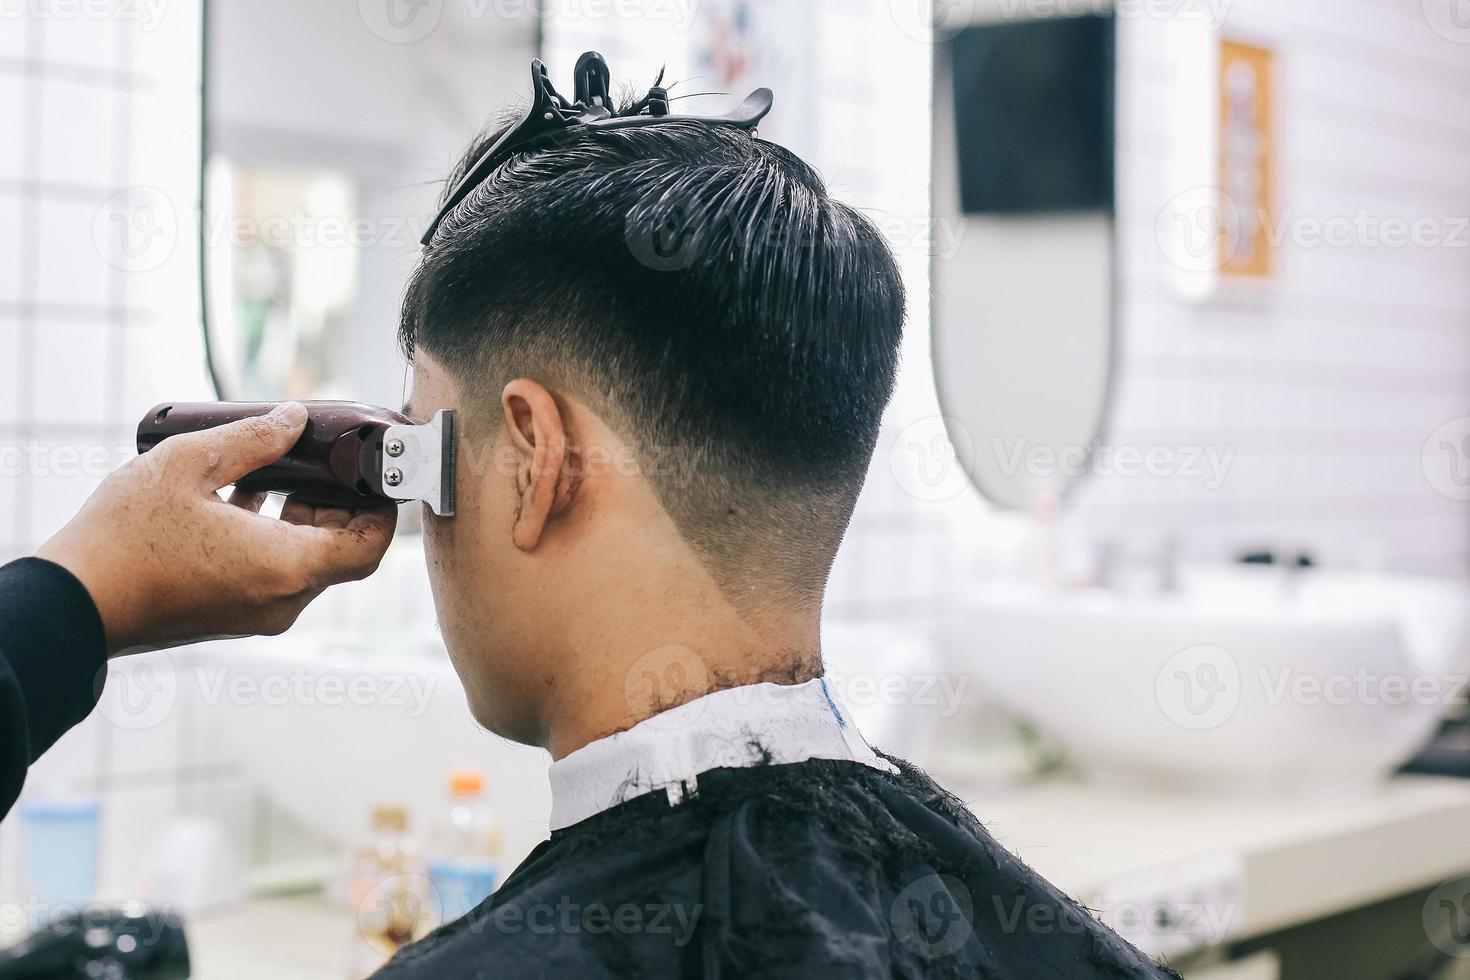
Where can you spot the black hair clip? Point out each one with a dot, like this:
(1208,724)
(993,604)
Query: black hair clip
(549,113)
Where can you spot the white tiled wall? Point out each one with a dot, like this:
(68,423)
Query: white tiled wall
(98,316)
(1328,383)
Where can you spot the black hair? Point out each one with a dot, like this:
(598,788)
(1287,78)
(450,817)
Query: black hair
(700,288)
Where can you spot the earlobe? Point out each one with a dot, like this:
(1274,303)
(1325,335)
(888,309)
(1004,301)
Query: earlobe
(544,482)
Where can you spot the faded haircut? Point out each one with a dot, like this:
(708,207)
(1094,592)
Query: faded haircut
(699,288)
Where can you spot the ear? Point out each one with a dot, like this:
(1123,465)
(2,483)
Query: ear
(538,436)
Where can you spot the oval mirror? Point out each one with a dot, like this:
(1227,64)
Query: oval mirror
(1024,305)
(328,127)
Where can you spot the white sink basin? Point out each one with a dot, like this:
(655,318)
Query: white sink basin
(328,755)
(1237,679)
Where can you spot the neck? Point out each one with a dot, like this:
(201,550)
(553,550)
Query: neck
(623,667)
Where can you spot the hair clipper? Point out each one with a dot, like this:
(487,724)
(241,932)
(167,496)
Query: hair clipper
(350,455)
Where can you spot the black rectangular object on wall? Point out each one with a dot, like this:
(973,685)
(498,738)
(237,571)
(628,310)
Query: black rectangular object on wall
(1034,115)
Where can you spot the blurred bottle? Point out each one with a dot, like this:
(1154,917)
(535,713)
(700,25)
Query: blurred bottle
(388,891)
(61,841)
(464,861)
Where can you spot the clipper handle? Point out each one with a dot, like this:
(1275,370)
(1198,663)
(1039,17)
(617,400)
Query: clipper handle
(338,462)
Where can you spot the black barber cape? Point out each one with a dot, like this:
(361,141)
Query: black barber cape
(819,869)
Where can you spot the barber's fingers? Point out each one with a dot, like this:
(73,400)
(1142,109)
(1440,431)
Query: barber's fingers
(346,553)
(293,511)
(246,500)
(217,457)
(305,515)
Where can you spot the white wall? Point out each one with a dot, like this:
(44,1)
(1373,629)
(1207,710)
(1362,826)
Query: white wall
(98,299)
(1329,383)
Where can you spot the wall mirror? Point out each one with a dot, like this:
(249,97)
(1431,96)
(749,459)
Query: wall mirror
(328,127)
(1024,306)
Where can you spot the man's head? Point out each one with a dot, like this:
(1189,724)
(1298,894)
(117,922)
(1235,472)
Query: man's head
(671,351)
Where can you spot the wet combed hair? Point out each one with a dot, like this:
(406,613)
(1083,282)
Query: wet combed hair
(700,289)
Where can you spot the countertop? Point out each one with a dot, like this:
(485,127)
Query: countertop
(1299,860)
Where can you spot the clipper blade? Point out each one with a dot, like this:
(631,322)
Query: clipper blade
(419,462)
(449,464)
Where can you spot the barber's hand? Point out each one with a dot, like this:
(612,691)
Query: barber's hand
(168,562)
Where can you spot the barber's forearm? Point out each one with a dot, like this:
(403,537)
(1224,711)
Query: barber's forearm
(52,653)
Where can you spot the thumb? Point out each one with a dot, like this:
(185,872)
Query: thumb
(231,451)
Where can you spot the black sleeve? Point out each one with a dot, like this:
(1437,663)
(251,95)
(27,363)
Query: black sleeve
(52,654)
